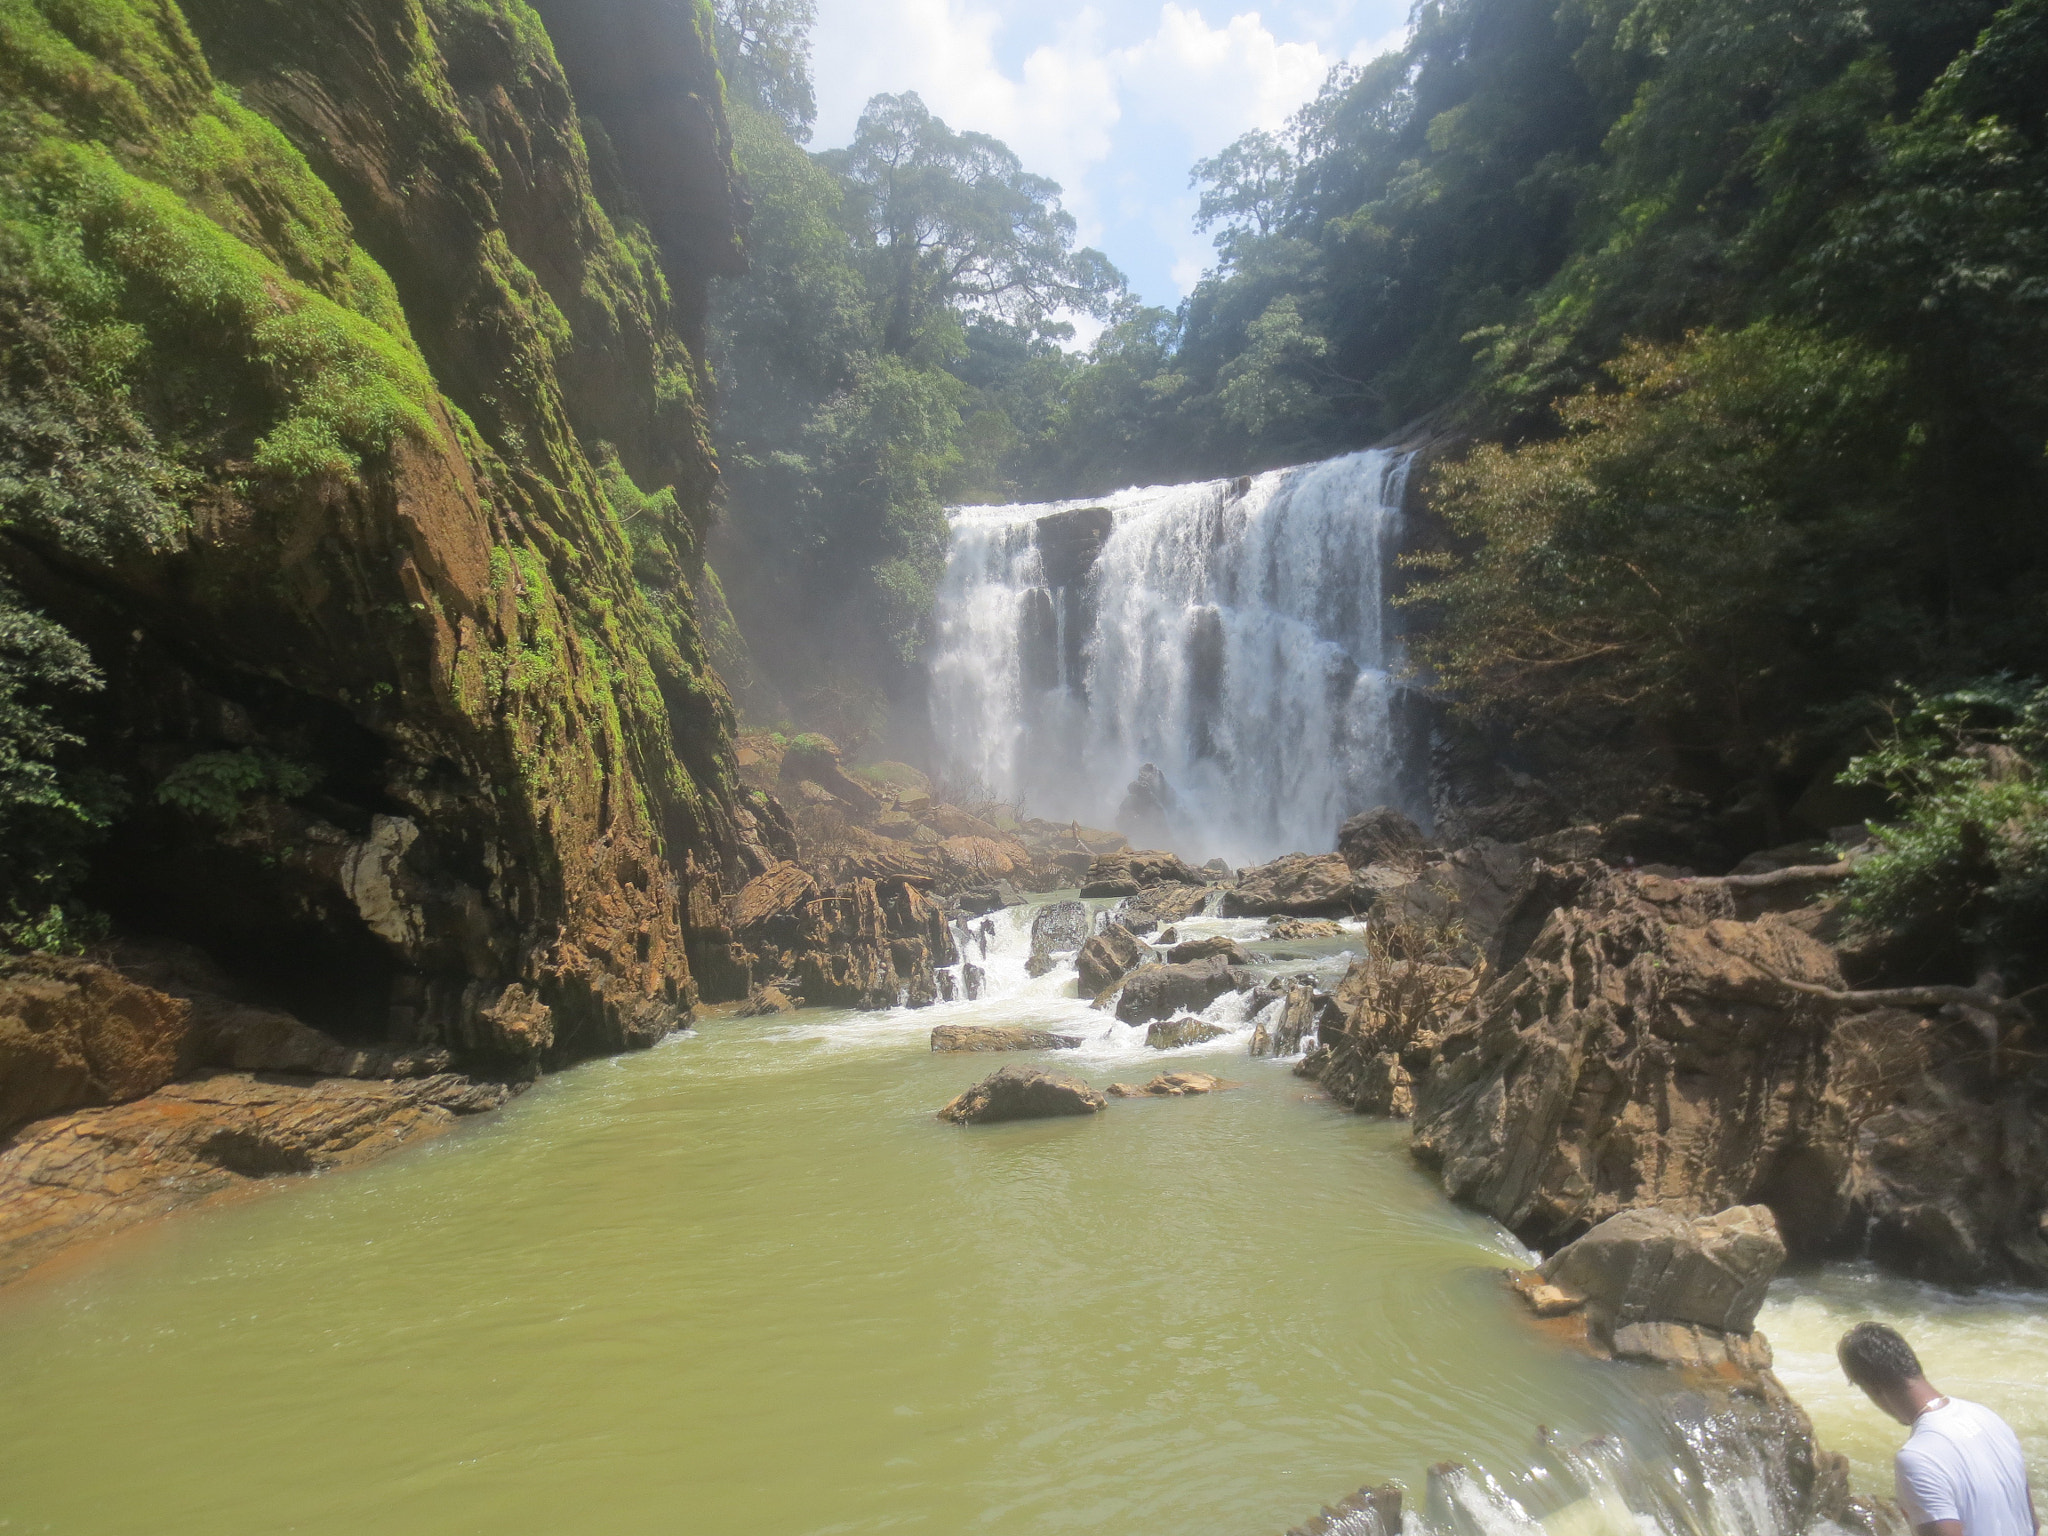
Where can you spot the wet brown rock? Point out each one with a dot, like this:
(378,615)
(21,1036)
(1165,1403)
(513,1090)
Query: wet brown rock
(1108,957)
(1654,1266)
(766,1002)
(1171,903)
(97,1171)
(1297,885)
(1023,1093)
(999,1037)
(1216,946)
(1171,1034)
(1059,927)
(73,1033)
(1159,991)
(1131,870)
(1170,1085)
(1649,1047)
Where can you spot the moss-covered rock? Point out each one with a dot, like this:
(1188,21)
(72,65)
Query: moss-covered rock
(387,339)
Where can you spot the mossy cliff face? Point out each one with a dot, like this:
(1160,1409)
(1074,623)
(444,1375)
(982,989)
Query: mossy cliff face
(375,332)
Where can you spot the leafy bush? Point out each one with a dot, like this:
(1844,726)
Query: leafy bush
(215,786)
(1969,769)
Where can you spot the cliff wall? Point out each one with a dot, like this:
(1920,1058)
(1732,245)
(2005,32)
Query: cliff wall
(356,427)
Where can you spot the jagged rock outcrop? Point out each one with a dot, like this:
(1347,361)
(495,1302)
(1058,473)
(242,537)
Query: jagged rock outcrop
(1023,1093)
(862,944)
(1131,870)
(1108,957)
(1170,903)
(1298,885)
(414,720)
(1382,835)
(1650,1047)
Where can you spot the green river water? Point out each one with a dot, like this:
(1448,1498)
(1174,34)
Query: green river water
(745,1282)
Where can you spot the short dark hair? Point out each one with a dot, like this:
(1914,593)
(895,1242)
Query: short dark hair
(1876,1356)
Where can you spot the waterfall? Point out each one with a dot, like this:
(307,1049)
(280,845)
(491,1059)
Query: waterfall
(1234,633)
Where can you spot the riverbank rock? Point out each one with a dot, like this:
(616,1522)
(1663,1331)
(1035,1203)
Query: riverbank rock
(1378,1035)
(1170,1085)
(1160,991)
(95,1172)
(1131,870)
(863,944)
(1023,1093)
(1296,885)
(1215,947)
(1108,957)
(1171,1034)
(1655,1267)
(999,1037)
(1060,927)
(1650,1047)
(1382,835)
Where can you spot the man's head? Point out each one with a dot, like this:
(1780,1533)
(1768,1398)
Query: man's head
(1883,1364)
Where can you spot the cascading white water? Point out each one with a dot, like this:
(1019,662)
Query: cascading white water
(1234,633)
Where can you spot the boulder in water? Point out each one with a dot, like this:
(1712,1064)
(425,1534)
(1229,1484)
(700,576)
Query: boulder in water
(1216,946)
(1296,885)
(999,1037)
(1023,1093)
(1650,1265)
(767,1000)
(1171,1034)
(1382,835)
(1163,904)
(1170,1085)
(1160,991)
(1060,926)
(1107,958)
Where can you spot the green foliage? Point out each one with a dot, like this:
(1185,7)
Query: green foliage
(218,786)
(1969,771)
(1709,543)
(765,47)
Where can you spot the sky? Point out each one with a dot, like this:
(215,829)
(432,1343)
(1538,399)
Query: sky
(1113,100)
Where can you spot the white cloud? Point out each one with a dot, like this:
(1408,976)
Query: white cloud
(1115,105)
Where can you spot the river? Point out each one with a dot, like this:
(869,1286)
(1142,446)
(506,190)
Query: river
(745,1282)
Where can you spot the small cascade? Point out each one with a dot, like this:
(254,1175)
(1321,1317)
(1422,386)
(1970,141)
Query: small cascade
(1234,633)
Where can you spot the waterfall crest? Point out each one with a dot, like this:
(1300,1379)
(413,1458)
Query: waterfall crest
(1232,632)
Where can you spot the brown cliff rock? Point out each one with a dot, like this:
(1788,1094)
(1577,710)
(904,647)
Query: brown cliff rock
(491,760)
(1649,1048)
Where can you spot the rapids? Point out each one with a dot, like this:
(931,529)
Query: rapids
(746,1282)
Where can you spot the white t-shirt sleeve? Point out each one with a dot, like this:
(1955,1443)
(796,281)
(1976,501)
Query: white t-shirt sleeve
(1925,1487)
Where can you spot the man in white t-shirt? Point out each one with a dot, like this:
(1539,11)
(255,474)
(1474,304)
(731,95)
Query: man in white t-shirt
(1961,1472)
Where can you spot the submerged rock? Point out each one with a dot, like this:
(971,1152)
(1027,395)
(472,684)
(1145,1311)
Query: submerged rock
(1296,929)
(1159,991)
(999,1037)
(1023,1093)
(1170,1085)
(1108,957)
(1171,1034)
